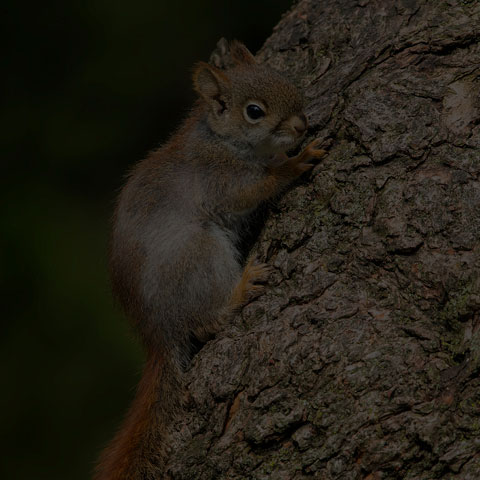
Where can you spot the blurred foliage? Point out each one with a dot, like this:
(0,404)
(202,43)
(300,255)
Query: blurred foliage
(87,89)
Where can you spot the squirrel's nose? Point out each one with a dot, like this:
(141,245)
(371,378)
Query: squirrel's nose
(299,123)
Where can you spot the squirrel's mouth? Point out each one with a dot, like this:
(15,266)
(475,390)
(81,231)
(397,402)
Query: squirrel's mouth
(286,141)
(280,142)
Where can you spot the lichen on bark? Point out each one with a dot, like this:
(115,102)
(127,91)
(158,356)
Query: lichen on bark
(361,359)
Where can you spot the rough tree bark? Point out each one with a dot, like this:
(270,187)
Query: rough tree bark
(362,358)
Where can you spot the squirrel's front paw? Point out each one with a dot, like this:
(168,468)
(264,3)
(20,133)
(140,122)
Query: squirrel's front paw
(300,163)
(311,151)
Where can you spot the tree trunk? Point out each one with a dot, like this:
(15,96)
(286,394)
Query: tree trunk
(361,360)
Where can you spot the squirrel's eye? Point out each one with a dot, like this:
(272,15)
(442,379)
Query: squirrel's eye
(255,112)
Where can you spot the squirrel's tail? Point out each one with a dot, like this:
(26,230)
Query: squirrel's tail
(138,450)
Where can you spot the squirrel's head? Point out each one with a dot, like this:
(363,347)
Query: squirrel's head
(251,105)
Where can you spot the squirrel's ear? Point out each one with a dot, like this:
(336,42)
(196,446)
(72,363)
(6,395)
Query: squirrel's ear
(212,84)
(241,54)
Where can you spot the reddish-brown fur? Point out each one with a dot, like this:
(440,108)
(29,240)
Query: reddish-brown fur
(129,456)
(174,261)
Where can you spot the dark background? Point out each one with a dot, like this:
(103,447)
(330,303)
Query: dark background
(88,88)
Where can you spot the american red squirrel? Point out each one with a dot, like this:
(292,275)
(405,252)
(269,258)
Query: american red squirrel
(175,263)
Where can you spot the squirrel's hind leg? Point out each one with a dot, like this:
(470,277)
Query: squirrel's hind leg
(247,286)
(245,289)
